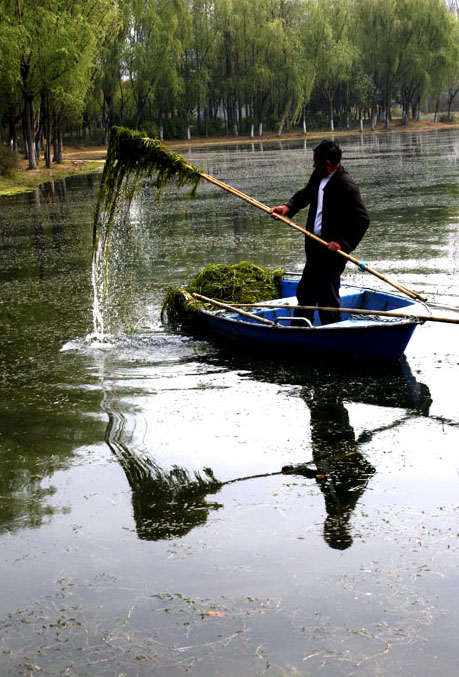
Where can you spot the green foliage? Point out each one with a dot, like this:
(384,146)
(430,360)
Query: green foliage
(146,63)
(216,127)
(444,117)
(9,161)
(243,282)
(174,128)
(131,156)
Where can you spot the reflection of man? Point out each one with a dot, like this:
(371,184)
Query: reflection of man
(341,471)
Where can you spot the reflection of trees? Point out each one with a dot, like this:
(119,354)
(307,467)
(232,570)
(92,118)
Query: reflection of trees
(166,504)
(23,501)
(45,407)
(36,441)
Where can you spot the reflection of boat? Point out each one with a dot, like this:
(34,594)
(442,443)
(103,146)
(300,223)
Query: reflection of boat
(390,384)
(355,336)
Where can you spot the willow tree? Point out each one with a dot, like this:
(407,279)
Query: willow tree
(310,31)
(337,53)
(380,48)
(153,56)
(10,90)
(140,51)
(68,93)
(423,34)
(70,35)
(198,38)
(107,76)
(452,67)
(199,55)
(275,84)
(53,46)
(18,24)
(232,25)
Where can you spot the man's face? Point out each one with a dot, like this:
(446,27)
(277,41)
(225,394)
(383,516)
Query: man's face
(323,167)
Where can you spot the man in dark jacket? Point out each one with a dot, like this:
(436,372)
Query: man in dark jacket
(338,216)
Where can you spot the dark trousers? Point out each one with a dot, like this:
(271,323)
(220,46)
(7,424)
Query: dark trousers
(319,285)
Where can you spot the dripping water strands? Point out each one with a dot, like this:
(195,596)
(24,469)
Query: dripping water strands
(131,157)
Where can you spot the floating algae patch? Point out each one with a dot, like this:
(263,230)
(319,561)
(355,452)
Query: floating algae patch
(131,157)
(243,282)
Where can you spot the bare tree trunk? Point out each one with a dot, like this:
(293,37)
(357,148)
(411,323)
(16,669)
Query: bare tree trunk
(29,131)
(387,115)
(12,131)
(47,129)
(121,103)
(57,141)
(436,110)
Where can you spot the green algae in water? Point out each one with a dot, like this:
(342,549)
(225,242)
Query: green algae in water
(243,282)
(131,157)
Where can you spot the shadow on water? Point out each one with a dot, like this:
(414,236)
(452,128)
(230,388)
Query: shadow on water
(168,504)
(339,468)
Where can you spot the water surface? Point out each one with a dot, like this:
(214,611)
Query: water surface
(121,552)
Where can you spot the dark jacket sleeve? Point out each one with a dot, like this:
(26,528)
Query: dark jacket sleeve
(303,197)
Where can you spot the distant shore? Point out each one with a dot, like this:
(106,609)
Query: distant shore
(87,159)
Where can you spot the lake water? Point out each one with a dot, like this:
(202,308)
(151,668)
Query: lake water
(112,560)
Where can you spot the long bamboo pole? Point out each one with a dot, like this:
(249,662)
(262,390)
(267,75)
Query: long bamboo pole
(256,203)
(233,309)
(354,311)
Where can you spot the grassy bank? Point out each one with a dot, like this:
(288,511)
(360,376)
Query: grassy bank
(75,161)
(86,159)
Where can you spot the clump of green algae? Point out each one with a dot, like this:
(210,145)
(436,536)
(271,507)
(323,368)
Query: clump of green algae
(243,282)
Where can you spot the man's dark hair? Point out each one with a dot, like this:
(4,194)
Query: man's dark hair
(328,150)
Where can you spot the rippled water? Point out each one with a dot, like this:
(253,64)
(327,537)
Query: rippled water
(116,562)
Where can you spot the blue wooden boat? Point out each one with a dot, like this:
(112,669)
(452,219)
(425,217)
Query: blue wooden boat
(356,336)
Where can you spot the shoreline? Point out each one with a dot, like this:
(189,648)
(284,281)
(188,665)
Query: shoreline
(90,159)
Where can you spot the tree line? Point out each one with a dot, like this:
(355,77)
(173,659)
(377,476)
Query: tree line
(178,68)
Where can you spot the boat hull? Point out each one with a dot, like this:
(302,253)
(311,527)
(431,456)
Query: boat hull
(355,337)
